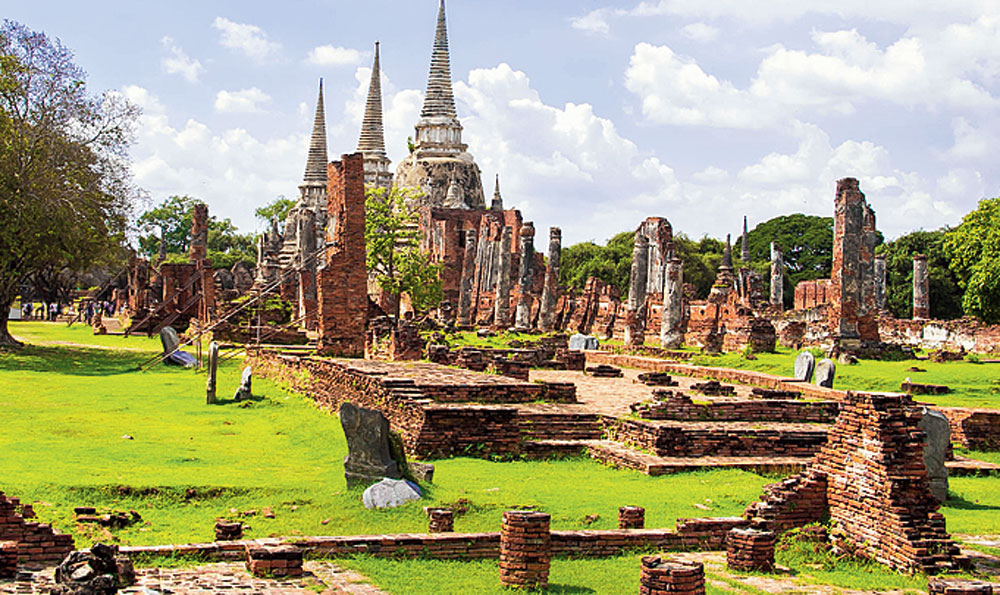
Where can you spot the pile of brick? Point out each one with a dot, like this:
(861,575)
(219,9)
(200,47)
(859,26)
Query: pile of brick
(750,550)
(227,531)
(664,576)
(512,368)
(604,371)
(572,360)
(440,520)
(274,560)
(8,559)
(939,586)
(877,490)
(774,393)
(631,517)
(471,359)
(915,388)
(36,542)
(713,388)
(525,544)
(657,379)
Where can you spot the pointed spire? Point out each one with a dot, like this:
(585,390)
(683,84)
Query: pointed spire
(439,101)
(727,255)
(744,245)
(497,204)
(372,139)
(316,163)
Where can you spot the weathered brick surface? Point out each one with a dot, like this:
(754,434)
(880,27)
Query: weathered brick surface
(274,560)
(36,542)
(940,586)
(660,576)
(750,550)
(440,520)
(978,429)
(681,408)
(8,559)
(525,549)
(631,517)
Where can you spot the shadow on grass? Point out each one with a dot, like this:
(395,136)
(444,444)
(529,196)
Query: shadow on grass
(75,361)
(557,588)
(960,503)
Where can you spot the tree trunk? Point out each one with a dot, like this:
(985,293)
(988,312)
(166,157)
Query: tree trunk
(6,340)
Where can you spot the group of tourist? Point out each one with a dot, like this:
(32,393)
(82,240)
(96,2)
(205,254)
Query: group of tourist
(104,308)
(44,311)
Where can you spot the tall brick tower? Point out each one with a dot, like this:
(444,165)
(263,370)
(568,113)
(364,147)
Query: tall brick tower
(371,144)
(439,156)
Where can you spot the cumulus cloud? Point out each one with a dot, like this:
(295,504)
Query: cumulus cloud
(178,62)
(595,21)
(244,101)
(246,38)
(328,55)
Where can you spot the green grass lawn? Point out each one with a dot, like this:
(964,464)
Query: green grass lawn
(66,410)
(972,384)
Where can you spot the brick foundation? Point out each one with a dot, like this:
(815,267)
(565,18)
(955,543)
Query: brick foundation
(525,549)
(750,550)
(671,577)
(631,517)
(274,561)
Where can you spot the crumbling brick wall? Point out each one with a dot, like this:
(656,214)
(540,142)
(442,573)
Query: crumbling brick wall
(36,542)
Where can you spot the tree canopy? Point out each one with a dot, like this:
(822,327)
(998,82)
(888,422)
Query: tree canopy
(276,210)
(66,191)
(806,242)
(945,292)
(172,218)
(973,250)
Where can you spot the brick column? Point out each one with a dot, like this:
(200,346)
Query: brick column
(440,520)
(631,517)
(635,320)
(921,288)
(547,317)
(777,277)
(522,318)
(671,577)
(468,280)
(199,234)
(750,550)
(501,305)
(8,559)
(525,549)
(226,531)
(672,320)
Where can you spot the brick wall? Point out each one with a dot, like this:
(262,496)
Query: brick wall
(690,440)
(36,542)
(682,408)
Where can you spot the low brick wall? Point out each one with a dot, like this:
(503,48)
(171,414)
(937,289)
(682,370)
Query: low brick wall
(690,440)
(978,429)
(36,542)
(964,333)
(690,534)
(682,408)
(720,374)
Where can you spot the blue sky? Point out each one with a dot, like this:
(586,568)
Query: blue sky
(595,114)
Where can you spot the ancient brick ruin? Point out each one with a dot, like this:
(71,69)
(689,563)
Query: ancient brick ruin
(34,542)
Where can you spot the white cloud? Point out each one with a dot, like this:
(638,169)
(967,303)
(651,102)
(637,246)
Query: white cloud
(178,62)
(595,21)
(244,101)
(700,32)
(249,39)
(328,55)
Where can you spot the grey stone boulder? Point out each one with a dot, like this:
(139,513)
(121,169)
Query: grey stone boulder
(580,341)
(826,371)
(390,493)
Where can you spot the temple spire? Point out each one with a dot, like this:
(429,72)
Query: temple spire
(497,204)
(439,101)
(316,162)
(372,140)
(727,255)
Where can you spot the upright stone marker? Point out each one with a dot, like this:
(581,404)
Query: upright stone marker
(245,391)
(805,363)
(171,349)
(369,457)
(938,430)
(826,370)
(169,339)
(213,365)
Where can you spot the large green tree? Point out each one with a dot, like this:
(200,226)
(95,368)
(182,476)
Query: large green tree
(945,293)
(974,257)
(806,242)
(392,241)
(276,210)
(172,219)
(66,191)
(611,263)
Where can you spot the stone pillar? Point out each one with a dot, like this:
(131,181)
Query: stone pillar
(671,323)
(631,517)
(440,520)
(921,288)
(501,299)
(549,292)
(777,277)
(213,365)
(635,320)
(671,577)
(750,550)
(342,292)
(199,234)
(468,280)
(525,549)
(522,318)
(880,295)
